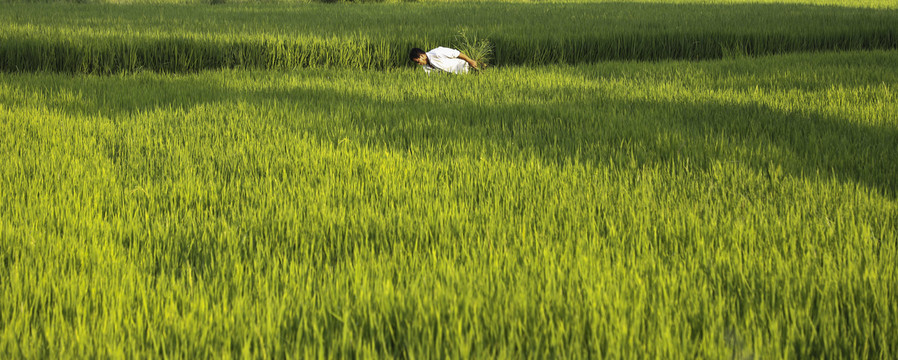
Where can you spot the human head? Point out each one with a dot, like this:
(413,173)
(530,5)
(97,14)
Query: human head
(417,55)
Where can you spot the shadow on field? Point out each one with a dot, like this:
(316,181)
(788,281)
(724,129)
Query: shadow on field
(605,131)
(380,36)
(624,132)
(640,133)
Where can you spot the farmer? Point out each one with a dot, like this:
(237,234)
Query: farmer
(442,59)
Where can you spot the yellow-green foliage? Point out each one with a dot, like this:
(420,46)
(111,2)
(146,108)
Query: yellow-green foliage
(347,205)
(741,208)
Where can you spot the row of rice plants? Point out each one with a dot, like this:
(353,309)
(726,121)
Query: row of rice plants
(113,54)
(737,208)
(191,38)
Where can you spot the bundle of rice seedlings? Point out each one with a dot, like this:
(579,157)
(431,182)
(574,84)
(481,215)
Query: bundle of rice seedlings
(477,48)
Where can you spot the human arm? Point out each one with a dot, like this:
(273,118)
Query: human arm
(467,59)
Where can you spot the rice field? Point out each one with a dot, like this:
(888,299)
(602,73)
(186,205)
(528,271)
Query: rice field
(738,204)
(98,38)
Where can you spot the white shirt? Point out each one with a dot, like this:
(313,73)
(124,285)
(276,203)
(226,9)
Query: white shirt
(445,59)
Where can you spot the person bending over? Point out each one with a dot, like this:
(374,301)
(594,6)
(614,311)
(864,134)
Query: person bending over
(442,59)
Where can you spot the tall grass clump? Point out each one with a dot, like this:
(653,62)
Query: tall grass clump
(479,49)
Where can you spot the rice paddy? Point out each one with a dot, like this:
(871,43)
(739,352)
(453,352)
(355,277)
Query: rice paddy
(704,204)
(187,38)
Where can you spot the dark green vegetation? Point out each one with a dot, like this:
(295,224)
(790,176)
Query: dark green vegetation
(184,38)
(734,208)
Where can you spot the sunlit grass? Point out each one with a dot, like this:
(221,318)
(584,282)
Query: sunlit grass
(743,207)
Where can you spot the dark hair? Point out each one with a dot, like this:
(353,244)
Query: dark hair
(415,53)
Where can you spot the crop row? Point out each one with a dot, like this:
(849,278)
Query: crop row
(103,38)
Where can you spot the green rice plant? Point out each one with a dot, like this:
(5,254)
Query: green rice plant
(477,48)
(732,208)
(190,38)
